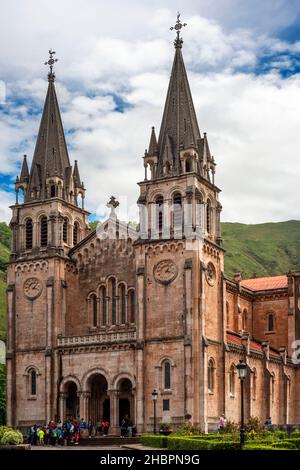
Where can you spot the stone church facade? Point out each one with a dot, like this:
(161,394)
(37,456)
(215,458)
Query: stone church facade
(99,319)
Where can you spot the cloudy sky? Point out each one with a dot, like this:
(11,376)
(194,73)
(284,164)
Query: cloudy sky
(243,63)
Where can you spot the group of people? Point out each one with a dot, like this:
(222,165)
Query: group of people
(66,433)
(53,434)
(127,429)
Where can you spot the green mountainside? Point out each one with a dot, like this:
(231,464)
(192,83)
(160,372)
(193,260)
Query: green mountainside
(263,249)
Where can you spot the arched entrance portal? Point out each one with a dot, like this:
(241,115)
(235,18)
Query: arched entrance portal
(126,400)
(99,404)
(72,400)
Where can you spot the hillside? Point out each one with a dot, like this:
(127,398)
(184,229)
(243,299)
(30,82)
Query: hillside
(263,249)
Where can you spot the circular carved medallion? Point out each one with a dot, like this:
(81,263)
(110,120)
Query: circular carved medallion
(210,274)
(32,288)
(165,271)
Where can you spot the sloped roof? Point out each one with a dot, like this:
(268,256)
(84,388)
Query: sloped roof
(255,346)
(265,283)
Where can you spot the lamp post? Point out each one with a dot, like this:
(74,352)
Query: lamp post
(242,371)
(154,399)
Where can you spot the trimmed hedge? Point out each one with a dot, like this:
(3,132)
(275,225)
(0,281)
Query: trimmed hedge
(183,443)
(260,447)
(150,440)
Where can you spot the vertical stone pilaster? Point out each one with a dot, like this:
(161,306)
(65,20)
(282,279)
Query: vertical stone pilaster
(62,405)
(188,379)
(114,408)
(140,327)
(11,394)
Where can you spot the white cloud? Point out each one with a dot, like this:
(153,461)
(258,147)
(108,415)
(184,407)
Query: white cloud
(252,122)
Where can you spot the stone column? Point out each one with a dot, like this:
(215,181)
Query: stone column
(62,405)
(48,351)
(114,408)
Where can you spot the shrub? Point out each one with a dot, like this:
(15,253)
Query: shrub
(150,440)
(258,446)
(231,427)
(4,429)
(253,424)
(296,433)
(285,445)
(188,430)
(12,437)
(279,434)
(183,443)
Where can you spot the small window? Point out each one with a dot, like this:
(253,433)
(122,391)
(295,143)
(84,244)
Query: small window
(177,211)
(159,203)
(113,299)
(270,322)
(131,306)
(44,231)
(167,375)
(244,320)
(232,380)
(65,230)
(103,306)
(94,310)
(254,383)
(75,233)
(52,190)
(123,303)
(210,375)
(33,382)
(28,234)
(166,405)
(208,216)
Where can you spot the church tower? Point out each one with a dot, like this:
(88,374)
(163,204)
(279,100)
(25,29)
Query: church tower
(179,258)
(47,221)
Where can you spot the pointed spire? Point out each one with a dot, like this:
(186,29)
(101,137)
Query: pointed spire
(76,176)
(153,149)
(51,153)
(179,127)
(24,171)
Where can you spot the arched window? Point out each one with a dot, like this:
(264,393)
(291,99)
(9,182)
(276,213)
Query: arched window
(33,382)
(94,309)
(270,326)
(53,190)
(188,165)
(177,212)
(211,375)
(113,300)
(244,319)
(65,230)
(75,233)
(272,387)
(159,205)
(167,375)
(208,216)
(227,315)
(131,306)
(29,227)
(254,384)
(44,231)
(232,380)
(103,305)
(122,297)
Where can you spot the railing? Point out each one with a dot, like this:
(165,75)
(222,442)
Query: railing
(96,338)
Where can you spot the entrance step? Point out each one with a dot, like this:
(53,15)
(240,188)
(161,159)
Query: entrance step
(108,441)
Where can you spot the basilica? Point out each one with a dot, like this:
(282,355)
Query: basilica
(99,319)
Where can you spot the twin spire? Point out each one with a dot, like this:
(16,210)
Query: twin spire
(51,172)
(179,129)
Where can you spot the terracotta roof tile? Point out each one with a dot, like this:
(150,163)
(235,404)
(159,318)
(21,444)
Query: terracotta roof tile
(235,339)
(265,283)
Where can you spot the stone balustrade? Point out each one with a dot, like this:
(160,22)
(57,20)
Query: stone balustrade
(99,338)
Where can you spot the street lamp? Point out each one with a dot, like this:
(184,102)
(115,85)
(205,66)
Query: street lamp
(154,398)
(242,371)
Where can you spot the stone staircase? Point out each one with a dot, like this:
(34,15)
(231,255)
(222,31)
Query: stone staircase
(107,441)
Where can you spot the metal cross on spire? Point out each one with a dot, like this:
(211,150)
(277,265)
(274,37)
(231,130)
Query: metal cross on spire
(50,62)
(178,26)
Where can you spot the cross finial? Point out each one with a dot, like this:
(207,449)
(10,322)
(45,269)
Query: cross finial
(113,203)
(178,26)
(50,62)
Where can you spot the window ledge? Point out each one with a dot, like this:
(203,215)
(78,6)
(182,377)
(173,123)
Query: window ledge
(166,392)
(231,396)
(270,332)
(32,397)
(210,392)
